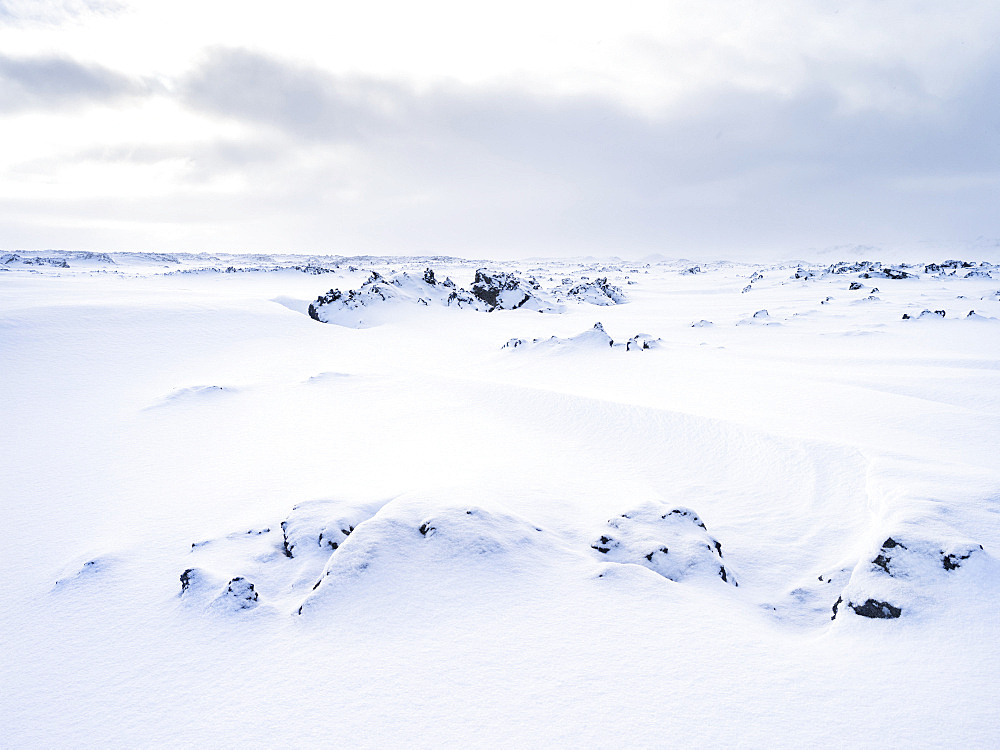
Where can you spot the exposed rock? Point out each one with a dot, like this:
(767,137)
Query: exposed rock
(642,341)
(874,609)
(855,285)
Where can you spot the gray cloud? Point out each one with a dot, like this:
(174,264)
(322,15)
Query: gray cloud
(724,165)
(57,82)
(357,164)
(304,102)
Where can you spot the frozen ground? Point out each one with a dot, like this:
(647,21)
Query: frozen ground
(228,523)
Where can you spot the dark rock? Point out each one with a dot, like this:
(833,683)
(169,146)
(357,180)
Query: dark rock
(489,286)
(876,609)
(855,285)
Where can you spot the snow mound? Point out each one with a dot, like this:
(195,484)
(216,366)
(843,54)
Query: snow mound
(82,574)
(327,546)
(670,541)
(906,574)
(409,540)
(759,318)
(925,314)
(239,595)
(593,338)
(260,567)
(194,394)
(319,526)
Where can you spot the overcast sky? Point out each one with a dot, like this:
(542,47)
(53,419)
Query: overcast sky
(711,127)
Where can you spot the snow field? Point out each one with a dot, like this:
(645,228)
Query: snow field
(469,604)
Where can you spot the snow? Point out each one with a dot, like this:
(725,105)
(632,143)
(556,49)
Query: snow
(226,522)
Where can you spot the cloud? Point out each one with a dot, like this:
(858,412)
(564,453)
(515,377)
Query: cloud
(59,82)
(320,160)
(305,102)
(54,12)
(814,137)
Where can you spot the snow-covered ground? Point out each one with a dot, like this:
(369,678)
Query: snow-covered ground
(753,507)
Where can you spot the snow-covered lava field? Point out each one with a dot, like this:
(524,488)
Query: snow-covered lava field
(288,501)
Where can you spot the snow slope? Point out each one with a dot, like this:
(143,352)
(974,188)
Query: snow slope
(227,522)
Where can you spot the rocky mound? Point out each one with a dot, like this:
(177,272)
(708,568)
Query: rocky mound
(491,291)
(670,541)
(594,338)
(405,540)
(505,291)
(326,548)
(759,318)
(902,574)
(598,292)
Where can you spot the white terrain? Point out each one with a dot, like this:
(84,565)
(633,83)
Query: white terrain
(276,500)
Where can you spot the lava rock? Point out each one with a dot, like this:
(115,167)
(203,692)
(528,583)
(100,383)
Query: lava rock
(875,609)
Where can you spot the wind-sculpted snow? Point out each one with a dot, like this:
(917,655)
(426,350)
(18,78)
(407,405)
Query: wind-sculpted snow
(673,542)
(511,556)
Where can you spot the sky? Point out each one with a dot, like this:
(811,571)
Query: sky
(730,128)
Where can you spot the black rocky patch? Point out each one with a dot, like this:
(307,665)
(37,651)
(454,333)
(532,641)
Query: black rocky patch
(488,286)
(876,609)
(604,544)
(285,546)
